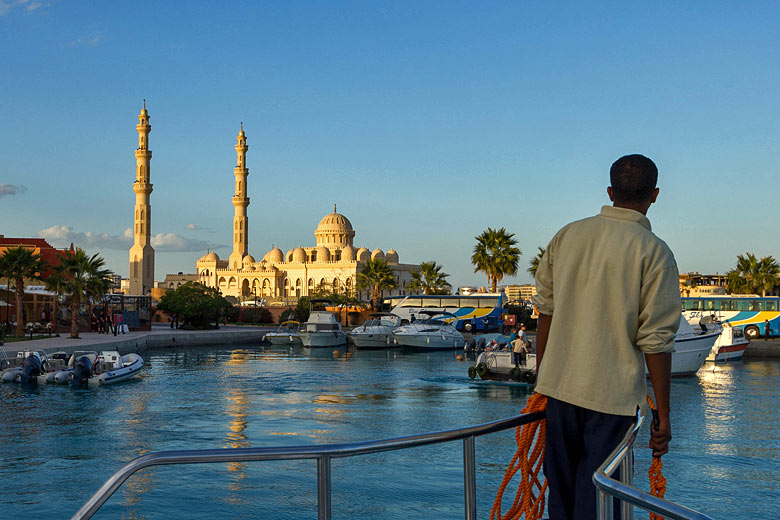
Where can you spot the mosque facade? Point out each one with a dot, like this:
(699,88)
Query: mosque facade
(332,264)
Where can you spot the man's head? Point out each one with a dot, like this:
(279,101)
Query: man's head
(633,181)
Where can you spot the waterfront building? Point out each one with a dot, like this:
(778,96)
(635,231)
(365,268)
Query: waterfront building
(332,264)
(141,279)
(519,293)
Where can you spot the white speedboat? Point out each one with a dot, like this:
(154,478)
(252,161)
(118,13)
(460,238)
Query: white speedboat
(377,331)
(286,334)
(322,329)
(692,345)
(434,330)
(27,367)
(731,344)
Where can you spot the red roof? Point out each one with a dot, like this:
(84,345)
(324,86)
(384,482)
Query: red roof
(49,254)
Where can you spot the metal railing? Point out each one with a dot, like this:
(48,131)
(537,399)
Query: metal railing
(323,454)
(607,488)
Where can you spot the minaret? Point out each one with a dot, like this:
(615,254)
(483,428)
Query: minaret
(240,202)
(142,254)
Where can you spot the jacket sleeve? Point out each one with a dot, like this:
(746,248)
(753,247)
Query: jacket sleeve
(660,310)
(543,299)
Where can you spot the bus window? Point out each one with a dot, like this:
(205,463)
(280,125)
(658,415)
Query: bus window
(770,306)
(692,305)
(723,305)
(413,302)
(449,302)
(710,305)
(431,303)
(488,303)
(744,305)
(755,305)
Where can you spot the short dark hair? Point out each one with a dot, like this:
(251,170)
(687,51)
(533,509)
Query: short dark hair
(633,178)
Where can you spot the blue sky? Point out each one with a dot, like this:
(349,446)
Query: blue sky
(425,122)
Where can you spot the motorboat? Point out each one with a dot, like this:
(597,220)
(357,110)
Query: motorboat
(87,368)
(286,334)
(434,330)
(26,368)
(730,345)
(692,345)
(322,329)
(377,331)
(495,363)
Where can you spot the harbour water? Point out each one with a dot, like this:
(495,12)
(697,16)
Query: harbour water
(58,445)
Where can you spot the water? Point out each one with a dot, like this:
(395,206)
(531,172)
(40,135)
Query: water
(58,445)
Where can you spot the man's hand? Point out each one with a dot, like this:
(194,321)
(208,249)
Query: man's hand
(660,435)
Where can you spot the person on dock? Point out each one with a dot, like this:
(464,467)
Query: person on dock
(767,330)
(591,367)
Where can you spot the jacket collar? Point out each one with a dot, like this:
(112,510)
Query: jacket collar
(625,214)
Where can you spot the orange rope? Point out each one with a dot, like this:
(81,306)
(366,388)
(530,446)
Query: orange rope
(529,500)
(657,480)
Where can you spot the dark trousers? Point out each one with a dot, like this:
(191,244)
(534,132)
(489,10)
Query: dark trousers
(578,442)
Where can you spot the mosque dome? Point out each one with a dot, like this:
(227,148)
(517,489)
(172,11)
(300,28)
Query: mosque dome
(299,255)
(377,254)
(323,254)
(348,254)
(275,255)
(334,230)
(289,255)
(209,257)
(248,260)
(391,256)
(363,255)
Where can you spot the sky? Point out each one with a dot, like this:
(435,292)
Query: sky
(425,122)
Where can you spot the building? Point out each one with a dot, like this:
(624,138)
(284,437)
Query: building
(519,293)
(332,264)
(695,284)
(141,279)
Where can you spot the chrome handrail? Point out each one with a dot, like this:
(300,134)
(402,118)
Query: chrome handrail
(323,454)
(607,488)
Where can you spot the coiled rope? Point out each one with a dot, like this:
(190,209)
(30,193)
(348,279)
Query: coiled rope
(529,500)
(657,480)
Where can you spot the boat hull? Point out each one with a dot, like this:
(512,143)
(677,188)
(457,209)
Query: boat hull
(690,353)
(727,352)
(131,365)
(323,339)
(283,339)
(367,341)
(429,341)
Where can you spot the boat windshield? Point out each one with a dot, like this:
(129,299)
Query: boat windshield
(321,327)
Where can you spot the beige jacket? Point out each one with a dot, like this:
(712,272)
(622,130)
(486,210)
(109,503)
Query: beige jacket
(612,289)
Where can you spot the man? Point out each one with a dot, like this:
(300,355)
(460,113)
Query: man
(608,295)
(767,330)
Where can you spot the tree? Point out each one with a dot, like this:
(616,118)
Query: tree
(18,264)
(375,275)
(55,283)
(534,265)
(430,279)
(752,275)
(195,304)
(83,278)
(496,255)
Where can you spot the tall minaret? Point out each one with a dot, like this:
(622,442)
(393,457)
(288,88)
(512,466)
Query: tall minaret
(240,202)
(142,254)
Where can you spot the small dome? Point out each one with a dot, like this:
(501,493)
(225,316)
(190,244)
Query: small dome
(363,254)
(299,255)
(323,254)
(209,257)
(377,254)
(348,254)
(275,255)
(249,260)
(289,255)
(391,257)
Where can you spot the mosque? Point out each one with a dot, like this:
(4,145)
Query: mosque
(332,264)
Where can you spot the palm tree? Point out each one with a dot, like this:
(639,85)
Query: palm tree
(496,255)
(55,282)
(753,275)
(84,277)
(375,275)
(430,279)
(534,265)
(19,264)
